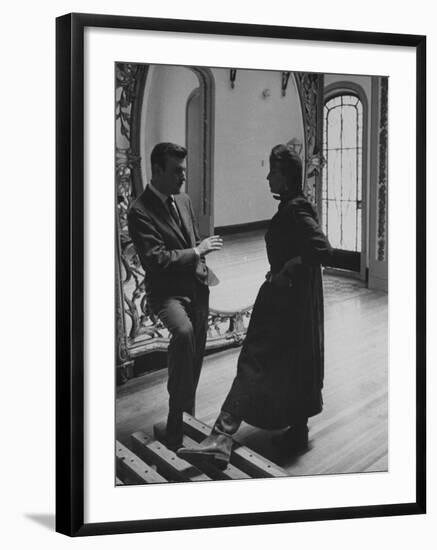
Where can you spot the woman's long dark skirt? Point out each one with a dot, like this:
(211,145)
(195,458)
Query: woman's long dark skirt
(280,368)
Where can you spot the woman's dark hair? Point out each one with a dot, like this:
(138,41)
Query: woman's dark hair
(162,151)
(290,164)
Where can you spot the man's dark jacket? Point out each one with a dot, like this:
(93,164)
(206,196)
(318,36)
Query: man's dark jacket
(166,251)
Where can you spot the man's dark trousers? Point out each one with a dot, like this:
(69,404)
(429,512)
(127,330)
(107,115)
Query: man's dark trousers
(187,321)
(177,292)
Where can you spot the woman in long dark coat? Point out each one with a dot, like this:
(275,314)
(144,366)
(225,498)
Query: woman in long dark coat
(280,368)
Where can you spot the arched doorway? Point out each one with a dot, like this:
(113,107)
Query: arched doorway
(200,146)
(343,198)
(177,106)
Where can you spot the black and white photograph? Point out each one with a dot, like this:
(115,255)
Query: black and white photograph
(218,275)
(251,273)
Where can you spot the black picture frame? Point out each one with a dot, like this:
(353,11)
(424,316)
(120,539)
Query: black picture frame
(70,273)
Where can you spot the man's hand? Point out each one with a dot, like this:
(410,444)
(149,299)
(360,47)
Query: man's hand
(210,244)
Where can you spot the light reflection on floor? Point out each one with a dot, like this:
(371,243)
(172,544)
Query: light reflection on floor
(241,267)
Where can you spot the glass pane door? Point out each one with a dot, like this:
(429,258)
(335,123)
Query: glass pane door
(342,175)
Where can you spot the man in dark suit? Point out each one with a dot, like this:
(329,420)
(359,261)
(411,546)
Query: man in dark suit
(165,235)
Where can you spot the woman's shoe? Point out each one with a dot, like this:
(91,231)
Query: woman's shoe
(292,441)
(216,449)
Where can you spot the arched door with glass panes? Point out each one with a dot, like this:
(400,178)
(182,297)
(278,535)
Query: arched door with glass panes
(342,186)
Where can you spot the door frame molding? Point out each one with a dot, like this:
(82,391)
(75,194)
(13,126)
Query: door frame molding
(207,101)
(330,91)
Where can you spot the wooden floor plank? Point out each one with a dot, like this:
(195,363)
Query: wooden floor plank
(355,391)
(380,464)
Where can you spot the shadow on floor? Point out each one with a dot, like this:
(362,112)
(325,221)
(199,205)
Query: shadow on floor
(261,441)
(46,520)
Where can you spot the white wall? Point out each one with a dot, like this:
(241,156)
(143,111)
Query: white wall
(164,118)
(28,354)
(247,126)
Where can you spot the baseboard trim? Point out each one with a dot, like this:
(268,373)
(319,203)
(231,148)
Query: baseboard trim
(241,227)
(342,272)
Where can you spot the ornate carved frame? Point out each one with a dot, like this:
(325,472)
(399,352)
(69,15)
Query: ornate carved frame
(138,331)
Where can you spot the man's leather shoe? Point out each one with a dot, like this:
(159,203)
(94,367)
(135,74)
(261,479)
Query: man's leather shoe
(216,448)
(170,435)
(172,444)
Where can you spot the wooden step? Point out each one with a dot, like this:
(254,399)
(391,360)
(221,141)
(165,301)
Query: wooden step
(231,472)
(131,469)
(168,463)
(242,457)
(148,460)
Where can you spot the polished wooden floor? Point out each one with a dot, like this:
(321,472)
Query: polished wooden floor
(351,434)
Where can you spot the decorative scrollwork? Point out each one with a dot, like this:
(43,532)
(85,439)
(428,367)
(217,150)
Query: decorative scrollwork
(125,76)
(227,327)
(124,162)
(382,169)
(310,95)
(315,165)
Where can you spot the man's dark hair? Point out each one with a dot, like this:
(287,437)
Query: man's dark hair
(290,164)
(162,151)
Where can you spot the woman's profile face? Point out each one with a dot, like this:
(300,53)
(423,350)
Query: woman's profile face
(277,180)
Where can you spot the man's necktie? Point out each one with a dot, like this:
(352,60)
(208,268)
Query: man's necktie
(174,211)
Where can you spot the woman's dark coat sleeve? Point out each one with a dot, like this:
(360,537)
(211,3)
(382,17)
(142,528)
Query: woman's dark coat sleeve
(315,246)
